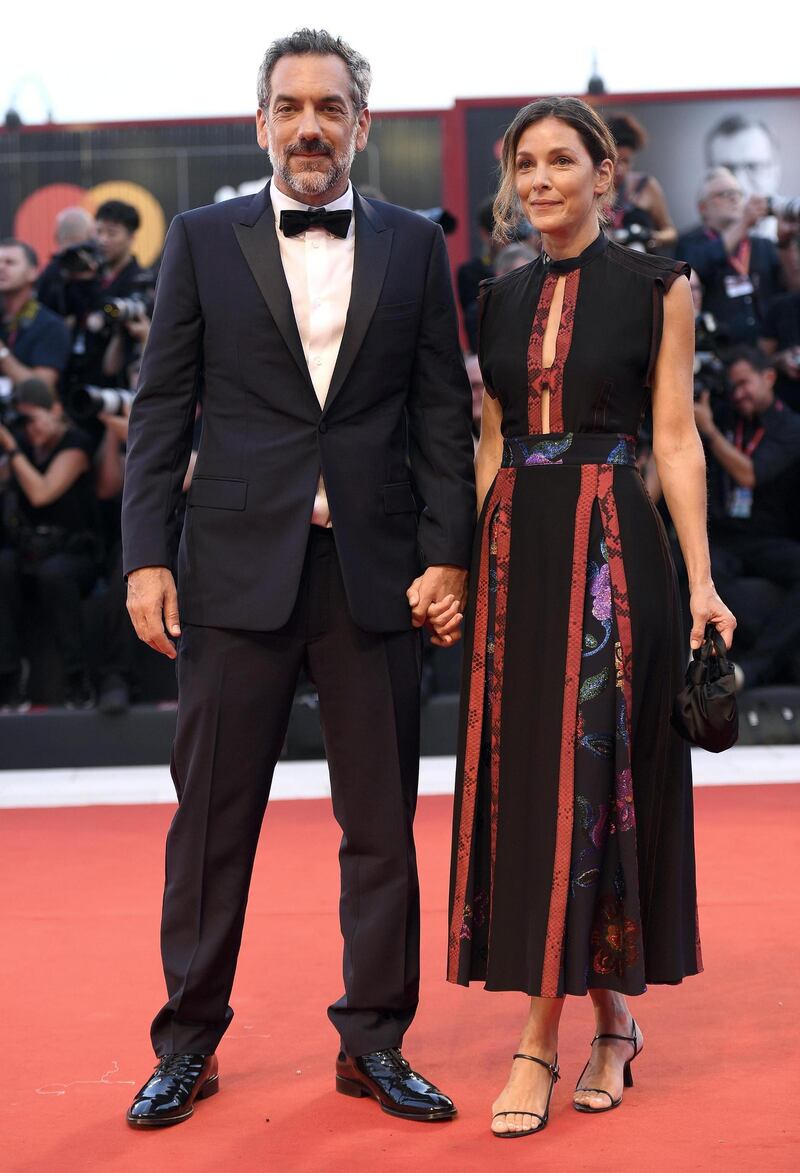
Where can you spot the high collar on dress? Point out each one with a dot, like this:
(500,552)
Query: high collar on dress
(567,264)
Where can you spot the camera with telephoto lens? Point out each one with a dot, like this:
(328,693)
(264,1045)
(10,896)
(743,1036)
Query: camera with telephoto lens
(118,310)
(81,260)
(785,207)
(84,402)
(635,231)
(709,369)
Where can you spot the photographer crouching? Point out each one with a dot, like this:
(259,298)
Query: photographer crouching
(752,446)
(50,540)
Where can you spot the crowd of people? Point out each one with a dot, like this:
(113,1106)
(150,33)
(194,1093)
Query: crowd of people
(72,335)
(73,331)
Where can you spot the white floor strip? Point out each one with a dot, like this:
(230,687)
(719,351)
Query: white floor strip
(121,785)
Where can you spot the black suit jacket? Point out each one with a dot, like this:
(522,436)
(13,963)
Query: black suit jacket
(393,441)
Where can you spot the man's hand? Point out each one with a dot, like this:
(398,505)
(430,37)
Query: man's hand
(138,327)
(7,440)
(703,415)
(437,600)
(755,209)
(153,608)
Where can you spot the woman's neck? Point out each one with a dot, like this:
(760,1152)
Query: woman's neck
(560,246)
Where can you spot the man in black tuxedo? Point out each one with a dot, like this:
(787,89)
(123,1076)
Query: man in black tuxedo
(330,515)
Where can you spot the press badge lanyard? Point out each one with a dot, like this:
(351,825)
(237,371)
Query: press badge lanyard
(740,260)
(749,448)
(740,498)
(739,283)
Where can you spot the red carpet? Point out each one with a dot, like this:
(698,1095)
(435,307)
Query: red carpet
(716,1087)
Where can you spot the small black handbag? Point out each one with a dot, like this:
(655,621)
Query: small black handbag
(705,711)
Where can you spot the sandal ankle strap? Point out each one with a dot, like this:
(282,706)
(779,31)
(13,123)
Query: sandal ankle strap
(551,1067)
(631,1038)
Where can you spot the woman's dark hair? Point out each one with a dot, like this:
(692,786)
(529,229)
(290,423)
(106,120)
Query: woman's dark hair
(627,132)
(751,355)
(35,392)
(594,133)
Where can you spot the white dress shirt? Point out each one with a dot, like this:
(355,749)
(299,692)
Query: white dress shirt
(319,273)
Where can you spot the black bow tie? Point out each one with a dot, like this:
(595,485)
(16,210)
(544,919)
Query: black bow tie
(337,223)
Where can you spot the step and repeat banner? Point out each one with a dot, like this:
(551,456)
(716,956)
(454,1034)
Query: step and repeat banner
(418,160)
(165,168)
(758,137)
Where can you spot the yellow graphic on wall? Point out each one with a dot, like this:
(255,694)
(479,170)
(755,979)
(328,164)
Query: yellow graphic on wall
(35,219)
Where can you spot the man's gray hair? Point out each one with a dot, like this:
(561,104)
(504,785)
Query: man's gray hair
(321,43)
(709,177)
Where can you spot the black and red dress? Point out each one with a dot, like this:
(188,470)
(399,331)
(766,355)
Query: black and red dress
(573,854)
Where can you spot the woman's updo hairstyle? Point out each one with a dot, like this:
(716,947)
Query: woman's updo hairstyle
(594,133)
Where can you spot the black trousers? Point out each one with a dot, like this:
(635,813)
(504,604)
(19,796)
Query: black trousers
(62,580)
(235,696)
(777,559)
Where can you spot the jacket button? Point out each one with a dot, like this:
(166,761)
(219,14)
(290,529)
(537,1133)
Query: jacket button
(323,427)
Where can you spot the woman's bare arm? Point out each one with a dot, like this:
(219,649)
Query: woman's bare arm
(490,447)
(680,461)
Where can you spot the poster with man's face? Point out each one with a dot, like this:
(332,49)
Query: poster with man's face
(757,138)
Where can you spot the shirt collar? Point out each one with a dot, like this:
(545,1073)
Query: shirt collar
(281,203)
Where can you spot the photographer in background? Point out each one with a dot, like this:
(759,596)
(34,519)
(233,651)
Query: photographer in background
(34,342)
(51,541)
(739,271)
(121,278)
(753,451)
(476,269)
(640,213)
(780,340)
(70,283)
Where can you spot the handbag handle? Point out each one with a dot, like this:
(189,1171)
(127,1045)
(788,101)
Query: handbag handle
(712,643)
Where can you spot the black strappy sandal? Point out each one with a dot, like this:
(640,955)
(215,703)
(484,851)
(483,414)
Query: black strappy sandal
(554,1075)
(627,1078)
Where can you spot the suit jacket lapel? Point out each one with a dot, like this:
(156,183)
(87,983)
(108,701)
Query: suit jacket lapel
(255,232)
(373,247)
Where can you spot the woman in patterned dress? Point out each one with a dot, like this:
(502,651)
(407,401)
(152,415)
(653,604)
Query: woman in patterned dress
(573,855)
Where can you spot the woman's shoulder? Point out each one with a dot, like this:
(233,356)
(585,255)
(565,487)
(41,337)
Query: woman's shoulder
(509,282)
(75,437)
(647,266)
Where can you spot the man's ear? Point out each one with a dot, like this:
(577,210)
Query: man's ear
(364,123)
(262,134)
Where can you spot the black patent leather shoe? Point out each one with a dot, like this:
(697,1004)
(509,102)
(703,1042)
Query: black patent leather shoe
(168,1096)
(389,1079)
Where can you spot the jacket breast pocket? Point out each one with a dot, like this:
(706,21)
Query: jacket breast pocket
(400,309)
(398,498)
(217,493)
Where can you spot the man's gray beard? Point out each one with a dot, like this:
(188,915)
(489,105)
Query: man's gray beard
(314,183)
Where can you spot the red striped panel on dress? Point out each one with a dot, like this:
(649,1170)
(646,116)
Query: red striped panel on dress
(550,379)
(502,529)
(499,494)
(619,584)
(554,939)
(535,355)
(563,343)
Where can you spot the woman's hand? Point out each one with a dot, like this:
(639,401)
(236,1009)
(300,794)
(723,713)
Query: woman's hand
(7,441)
(444,621)
(707,607)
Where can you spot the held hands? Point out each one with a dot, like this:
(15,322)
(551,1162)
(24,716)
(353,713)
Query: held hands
(153,608)
(707,607)
(437,600)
